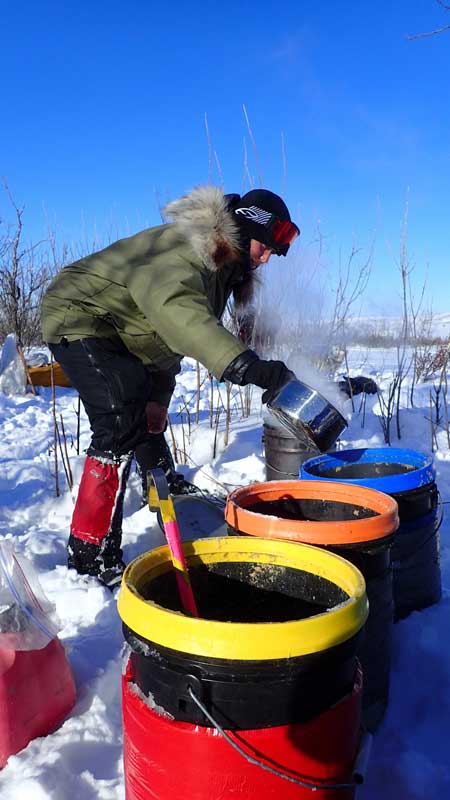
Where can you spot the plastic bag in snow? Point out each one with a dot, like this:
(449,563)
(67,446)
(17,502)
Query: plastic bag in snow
(28,619)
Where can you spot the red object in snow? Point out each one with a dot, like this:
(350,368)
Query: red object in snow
(96,500)
(166,759)
(37,692)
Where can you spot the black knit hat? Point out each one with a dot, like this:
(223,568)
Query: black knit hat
(253,212)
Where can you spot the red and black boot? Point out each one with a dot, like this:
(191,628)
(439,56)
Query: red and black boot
(94,546)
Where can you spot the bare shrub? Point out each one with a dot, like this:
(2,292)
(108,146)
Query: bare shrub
(25,270)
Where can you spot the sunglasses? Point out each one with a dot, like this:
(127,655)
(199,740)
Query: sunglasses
(282,233)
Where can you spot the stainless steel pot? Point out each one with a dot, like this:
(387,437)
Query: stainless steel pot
(307,414)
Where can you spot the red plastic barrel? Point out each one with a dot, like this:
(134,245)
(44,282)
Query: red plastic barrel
(167,759)
(37,692)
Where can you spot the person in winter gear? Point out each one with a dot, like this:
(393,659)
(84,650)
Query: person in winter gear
(119,322)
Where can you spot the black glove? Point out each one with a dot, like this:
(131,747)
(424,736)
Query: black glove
(268,375)
(354,386)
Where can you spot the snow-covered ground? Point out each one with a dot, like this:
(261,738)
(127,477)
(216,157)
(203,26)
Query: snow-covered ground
(82,760)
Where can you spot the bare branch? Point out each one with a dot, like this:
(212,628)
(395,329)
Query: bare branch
(255,149)
(210,149)
(428,33)
(436,31)
(246,176)
(283,158)
(219,168)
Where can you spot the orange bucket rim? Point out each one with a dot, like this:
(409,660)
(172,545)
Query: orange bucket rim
(328,532)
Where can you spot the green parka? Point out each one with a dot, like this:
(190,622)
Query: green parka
(162,291)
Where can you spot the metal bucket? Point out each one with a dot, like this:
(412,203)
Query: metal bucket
(307,414)
(284,453)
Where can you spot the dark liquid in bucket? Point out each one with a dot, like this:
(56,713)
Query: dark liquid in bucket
(360,470)
(313,510)
(249,592)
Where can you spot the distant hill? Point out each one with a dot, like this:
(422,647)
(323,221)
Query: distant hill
(436,327)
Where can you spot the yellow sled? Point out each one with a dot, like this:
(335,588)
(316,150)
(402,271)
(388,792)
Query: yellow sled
(42,376)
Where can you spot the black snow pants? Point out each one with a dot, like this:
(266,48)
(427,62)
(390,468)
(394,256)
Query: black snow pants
(114,387)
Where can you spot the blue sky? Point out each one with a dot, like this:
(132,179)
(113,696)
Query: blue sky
(103,110)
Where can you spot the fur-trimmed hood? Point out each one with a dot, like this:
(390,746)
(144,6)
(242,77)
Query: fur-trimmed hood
(203,217)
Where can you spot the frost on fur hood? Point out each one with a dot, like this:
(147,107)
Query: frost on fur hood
(204,219)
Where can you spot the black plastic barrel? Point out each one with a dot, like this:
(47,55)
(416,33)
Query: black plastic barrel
(284,453)
(409,477)
(355,523)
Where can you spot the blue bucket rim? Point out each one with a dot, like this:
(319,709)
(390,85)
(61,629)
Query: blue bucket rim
(423,474)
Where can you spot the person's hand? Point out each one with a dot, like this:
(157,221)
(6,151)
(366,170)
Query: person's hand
(249,368)
(156,415)
(269,375)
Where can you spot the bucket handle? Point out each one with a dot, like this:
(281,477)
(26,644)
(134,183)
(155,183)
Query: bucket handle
(188,683)
(305,784)
(281,471)
(440,505)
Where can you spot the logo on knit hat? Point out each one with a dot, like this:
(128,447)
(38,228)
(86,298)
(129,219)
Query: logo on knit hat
(255,214)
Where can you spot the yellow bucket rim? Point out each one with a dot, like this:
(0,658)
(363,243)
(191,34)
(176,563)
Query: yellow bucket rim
(245,641)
